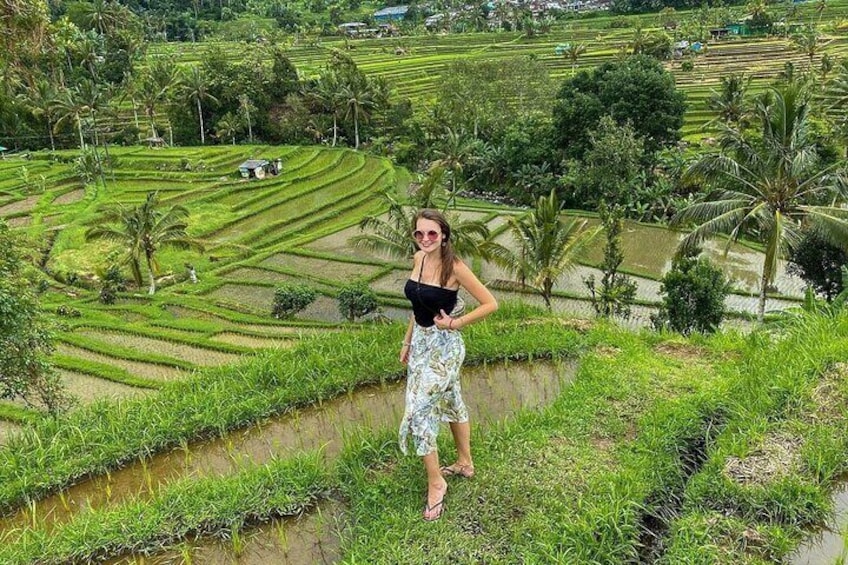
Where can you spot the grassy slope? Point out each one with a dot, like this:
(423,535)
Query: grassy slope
(644,431)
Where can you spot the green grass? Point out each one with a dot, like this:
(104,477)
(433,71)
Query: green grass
(226,398)
(636,442)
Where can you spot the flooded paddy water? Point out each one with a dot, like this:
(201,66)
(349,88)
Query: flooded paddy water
(830,545)
(493,392)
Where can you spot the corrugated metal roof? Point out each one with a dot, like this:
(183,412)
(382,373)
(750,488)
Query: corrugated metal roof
(392,11)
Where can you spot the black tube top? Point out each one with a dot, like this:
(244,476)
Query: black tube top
(427,300)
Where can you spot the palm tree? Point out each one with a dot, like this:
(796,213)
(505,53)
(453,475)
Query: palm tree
(143,230)
(837,89)
(196,89)
(101,15)
(729,101)
(359,102)
(391,235)
(227,127)
(453,155)
(821,6)
(69,106)
(546,246)
(768,188)
(326,92)
(572,52)
(129,89)
(41,101)
(245,106)
(836,100)
(159,79)
(808,42)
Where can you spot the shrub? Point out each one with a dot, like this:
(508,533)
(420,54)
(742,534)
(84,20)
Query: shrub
(68,311)
(111,284)
(693,292)
(356,300)
(25,337)
(687,66)
(615,293)
(290,299)
(820,264)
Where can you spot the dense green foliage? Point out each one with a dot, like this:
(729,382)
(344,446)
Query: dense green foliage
(356,300)
(770,181)
(25,341)
(636,91)
(694,291)
(289,299)
(614,294)
(820,264)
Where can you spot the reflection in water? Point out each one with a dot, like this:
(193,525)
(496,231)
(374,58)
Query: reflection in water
(492,392)
(309,539)
(829,546)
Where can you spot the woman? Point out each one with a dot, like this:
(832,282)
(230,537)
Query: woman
(433,351)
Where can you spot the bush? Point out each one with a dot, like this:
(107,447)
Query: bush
(68,311)
(111,284)
(290,299)
(693,292)
(687,66)
(820,264)
(356,300)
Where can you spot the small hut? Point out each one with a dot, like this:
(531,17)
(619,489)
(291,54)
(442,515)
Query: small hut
(155,142)
(254,168)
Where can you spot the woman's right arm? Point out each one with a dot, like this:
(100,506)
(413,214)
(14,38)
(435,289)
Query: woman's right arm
(407,338)
(407,342)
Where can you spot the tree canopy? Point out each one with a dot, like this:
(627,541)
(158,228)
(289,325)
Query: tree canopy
(636,90)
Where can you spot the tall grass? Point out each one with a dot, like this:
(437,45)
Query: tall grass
(55,453)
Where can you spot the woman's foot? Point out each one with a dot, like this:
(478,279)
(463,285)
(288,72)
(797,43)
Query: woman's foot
(435,505)
(458,470)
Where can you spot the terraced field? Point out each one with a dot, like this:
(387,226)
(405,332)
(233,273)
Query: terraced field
(258,234)
(415,74)
(204,385)
(141,343)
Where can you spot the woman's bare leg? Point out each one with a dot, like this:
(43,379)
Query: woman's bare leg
(436,486)
(462,438)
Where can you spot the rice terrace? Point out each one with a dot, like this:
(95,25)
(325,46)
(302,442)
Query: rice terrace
(206,226)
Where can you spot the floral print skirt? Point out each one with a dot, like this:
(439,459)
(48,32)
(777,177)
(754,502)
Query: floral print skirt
(433,392)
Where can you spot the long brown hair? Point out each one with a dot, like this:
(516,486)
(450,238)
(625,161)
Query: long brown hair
(448,255)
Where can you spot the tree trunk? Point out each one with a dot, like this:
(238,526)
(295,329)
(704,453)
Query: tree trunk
(761,308)
(50,133)
(335,128)
(135,114)
(356,130)
(200,115)
(79,129)
(152,278)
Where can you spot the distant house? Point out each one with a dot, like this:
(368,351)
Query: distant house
(391,14)
(739,28)
(719,32)
(154,141)
(434,21)
(352,28)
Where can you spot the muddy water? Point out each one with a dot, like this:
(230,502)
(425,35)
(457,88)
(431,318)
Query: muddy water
(309,539)
(829,546)
(492,392)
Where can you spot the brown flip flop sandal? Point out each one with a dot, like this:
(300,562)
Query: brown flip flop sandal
(464,471)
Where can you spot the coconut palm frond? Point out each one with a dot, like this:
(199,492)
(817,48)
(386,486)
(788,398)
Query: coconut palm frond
(830,223)
(387,245)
